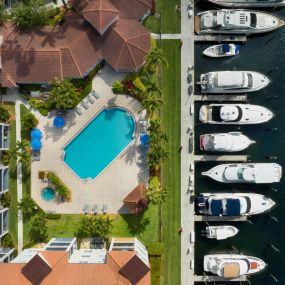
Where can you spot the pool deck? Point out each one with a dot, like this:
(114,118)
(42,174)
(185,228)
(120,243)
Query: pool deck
(129,167)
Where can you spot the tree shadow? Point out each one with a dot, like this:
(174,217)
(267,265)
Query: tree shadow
(136,223)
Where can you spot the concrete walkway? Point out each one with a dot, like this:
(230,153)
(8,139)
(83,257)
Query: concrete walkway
(166,36)
(187,155)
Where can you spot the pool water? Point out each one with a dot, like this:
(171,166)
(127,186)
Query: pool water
(100,142)
(48,194)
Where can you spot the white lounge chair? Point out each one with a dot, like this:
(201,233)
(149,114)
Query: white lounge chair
(93,92)
(90,99)
(84,104)
(78,111)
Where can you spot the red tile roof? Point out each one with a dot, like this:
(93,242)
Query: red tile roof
(136,195)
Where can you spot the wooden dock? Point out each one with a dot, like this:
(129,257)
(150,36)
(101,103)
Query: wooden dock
(221,98)
(201,218)
(220,38)
(207,278)
(234,158)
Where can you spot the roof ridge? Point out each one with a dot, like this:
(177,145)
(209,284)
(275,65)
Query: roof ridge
(78,69)
(131,54)
(132,44)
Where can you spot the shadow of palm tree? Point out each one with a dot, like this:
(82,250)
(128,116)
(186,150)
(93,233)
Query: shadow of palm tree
(136,224)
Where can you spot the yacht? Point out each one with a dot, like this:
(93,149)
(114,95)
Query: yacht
(246,173)
(232,82)
(234,114)
(222,50)
(249,3)
(236,21)
(232,266)
(232,204)
(220,232)
(225,142)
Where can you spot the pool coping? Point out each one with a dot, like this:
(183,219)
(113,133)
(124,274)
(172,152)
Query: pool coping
(85,125)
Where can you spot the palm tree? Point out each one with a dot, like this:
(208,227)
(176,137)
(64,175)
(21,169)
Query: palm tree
(153,87)
(65,5)
(24,158)
(152,104)
(154,59)
(22,145)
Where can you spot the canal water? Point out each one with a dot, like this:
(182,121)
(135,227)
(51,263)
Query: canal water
(266,54)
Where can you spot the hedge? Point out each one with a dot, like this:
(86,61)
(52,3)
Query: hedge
(60,187)
(53,216)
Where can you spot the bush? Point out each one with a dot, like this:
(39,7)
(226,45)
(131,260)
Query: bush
(155,264)
(118,87)
(60,187)
(53,216)
(29,121)
(38,230)
(7,241)
(6,157)
(28,206)
(6,200)
(42,175)
(155,248)
(4,114)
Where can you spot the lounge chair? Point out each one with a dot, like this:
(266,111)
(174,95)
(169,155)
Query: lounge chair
(95,210)
(78,111)
(93,92)
(104,210)
(85,209)
(84,105)
(90,99)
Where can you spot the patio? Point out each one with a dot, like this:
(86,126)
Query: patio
(115,182)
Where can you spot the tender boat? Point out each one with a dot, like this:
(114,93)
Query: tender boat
(232,266)
(246,173)
(236,21)
(222,50)
(249,3)
(232,204)
(220,232)
(234,114)
(232,82)
(225,142)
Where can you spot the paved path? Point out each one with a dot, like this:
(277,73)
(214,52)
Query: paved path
(166,36)
(187,157)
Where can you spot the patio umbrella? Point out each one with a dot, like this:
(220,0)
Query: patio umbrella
(144,139)
(58,122)
(36,134)
(36,144)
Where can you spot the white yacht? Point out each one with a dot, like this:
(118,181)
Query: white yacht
(234,114)
(246,173)
(236,21)
(232,204)
(232,266)
(232,82)
(220,232)
(222,50)
(225,142)
(249,3)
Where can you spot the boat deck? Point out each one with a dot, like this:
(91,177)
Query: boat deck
(219,38)
(197,24)
(221,98)
(201,218)
(241,158)
(207,278)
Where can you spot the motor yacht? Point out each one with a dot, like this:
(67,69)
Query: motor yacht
(246,173)
(232,204)
(225,142)
(236,21)
(222,50)
(232,266)
(249,3)
(220,232)
(230,82)
(234,114)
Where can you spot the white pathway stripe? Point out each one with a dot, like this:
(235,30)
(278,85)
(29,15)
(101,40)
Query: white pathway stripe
(166,36)
(187,120)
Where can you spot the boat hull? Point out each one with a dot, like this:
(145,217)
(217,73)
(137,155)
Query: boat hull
(233,4)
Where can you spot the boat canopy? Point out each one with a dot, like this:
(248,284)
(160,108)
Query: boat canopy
(229,79)
(229,113)
(227,207)
(226,48)
(237,49)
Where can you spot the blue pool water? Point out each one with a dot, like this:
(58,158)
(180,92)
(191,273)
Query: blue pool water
(96,146)
(48,194)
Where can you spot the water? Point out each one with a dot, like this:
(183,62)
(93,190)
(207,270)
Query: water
(100,142)
(48,194)
(266,54)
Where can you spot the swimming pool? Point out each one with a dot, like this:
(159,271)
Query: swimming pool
(100,142)
(48,194)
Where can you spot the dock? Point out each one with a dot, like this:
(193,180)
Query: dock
(234,158)
(207,278)
(200,218)
(221,98)
(220,38)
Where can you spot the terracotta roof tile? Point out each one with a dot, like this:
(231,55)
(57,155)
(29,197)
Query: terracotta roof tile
(69,67)
(136,195)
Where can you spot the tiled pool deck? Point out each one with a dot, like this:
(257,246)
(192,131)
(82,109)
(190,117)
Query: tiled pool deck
(115,182)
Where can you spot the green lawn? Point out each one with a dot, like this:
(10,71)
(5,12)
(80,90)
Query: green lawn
(13,211)
(170,22)
(171,169)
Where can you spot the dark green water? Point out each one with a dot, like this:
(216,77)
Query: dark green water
(266,54)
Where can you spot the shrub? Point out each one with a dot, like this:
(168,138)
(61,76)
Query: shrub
(29,121)
(6,200)
(60,187)
(53,216)
(118,87)
(42,174)
(155,248)
(6,157)
(155,264)
(7,241)
(38,230)
(4,114)
(28,206)
(139,85)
